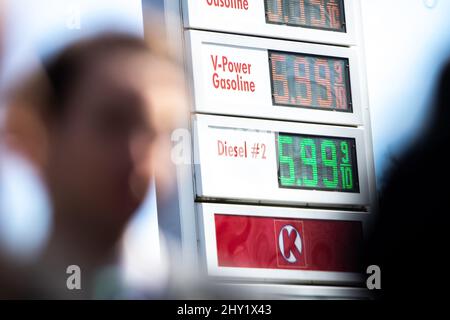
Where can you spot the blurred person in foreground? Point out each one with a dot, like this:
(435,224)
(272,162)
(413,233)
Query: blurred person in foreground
(90,123)
(410,242)
(3,264)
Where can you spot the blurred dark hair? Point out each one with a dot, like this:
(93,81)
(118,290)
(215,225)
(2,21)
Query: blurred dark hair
(409,242)
(441,113)
(66,69)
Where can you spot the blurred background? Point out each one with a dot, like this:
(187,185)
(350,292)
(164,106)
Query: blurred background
(406,44)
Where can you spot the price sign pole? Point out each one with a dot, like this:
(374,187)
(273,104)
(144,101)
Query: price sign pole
(281,190)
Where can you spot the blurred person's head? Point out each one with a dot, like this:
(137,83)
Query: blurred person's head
(100,130)
(94,120)
(96,109)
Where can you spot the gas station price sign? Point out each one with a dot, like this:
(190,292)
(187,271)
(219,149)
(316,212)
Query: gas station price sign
(320,14)
(309,81)
(319,21)
(275,79)
(279,127)
(315,162)
(279,162)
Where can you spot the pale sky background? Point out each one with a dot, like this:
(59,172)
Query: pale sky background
(406,42)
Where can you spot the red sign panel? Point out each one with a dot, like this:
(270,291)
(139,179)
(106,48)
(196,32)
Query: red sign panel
(302,244)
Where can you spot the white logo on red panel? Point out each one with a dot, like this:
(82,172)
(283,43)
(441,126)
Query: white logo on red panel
(297,243)
(290,243)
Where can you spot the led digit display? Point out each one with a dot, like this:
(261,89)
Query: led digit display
(317,14)
(309,81)
(317,163)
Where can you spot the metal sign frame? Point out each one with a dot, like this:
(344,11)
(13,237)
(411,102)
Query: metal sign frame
(200,45)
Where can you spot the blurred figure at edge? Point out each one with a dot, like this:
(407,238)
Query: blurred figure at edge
(409,241)
(88,122)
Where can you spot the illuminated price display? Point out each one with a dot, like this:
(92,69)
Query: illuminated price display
(310,81)
(313,162)
(319,14)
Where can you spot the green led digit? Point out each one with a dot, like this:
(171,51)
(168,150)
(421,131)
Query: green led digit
(346,168)
(347,177)
(329,163)
(285,159)
(344,150)
(309,161)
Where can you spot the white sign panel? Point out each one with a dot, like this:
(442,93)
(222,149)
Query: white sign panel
(320,21)
(279,162)
(274,79)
